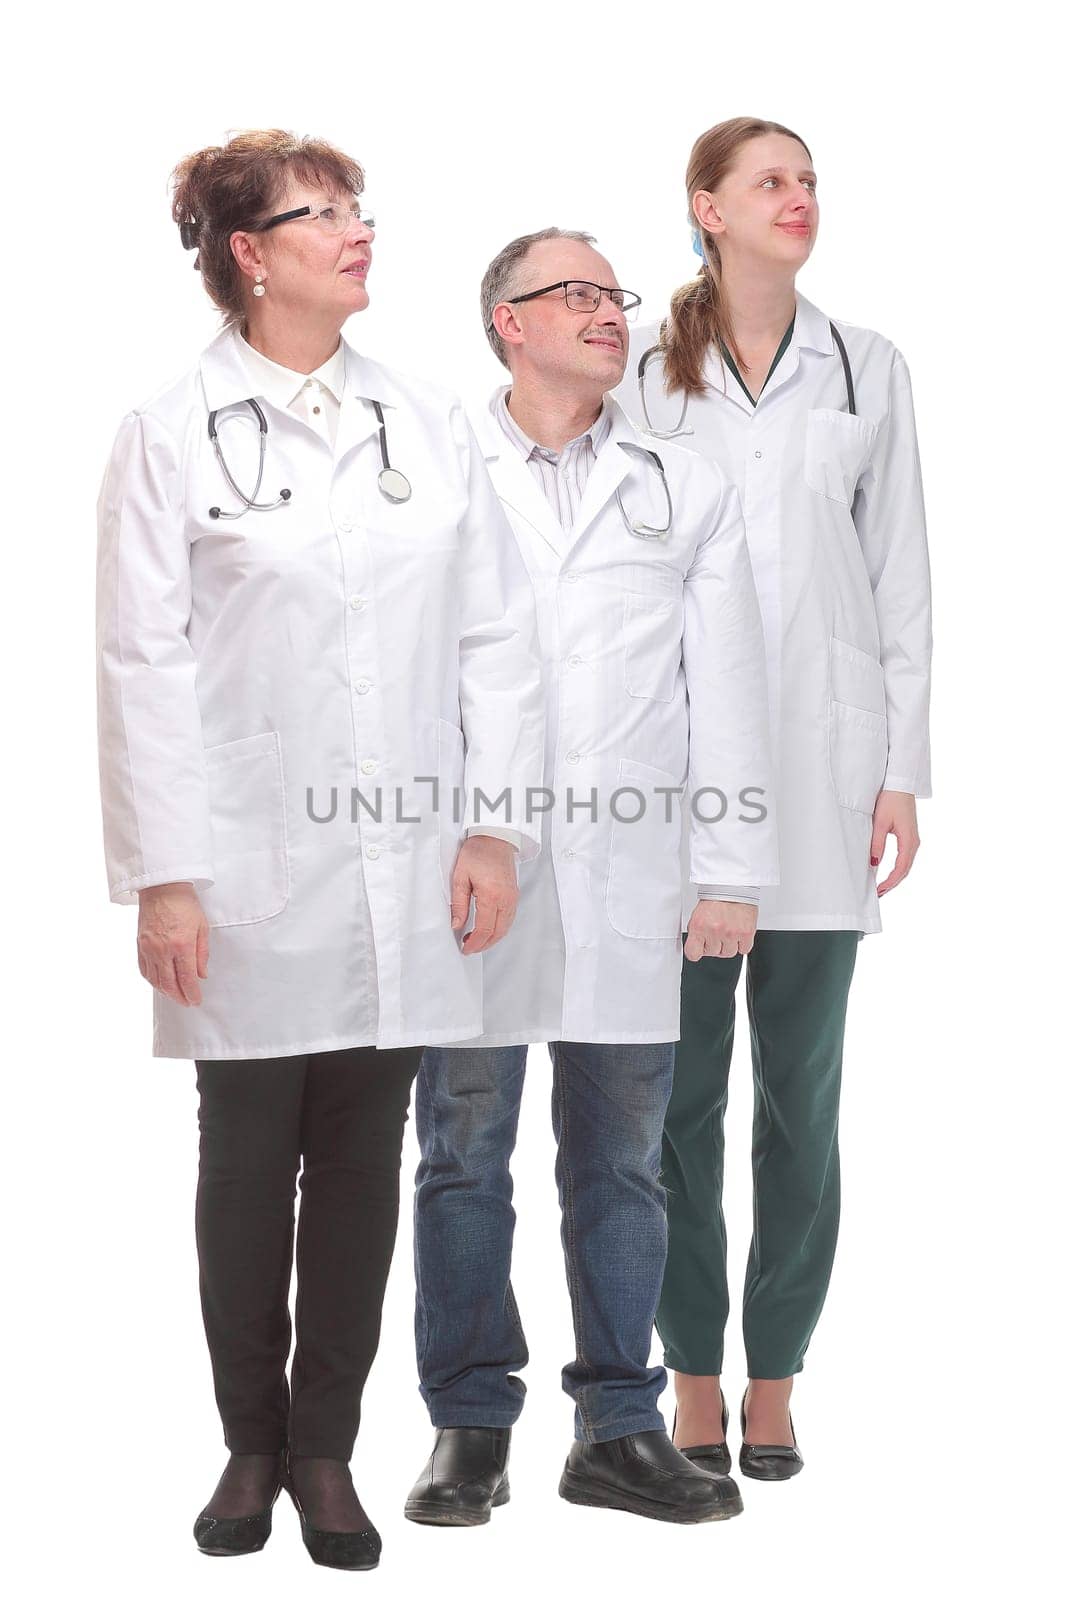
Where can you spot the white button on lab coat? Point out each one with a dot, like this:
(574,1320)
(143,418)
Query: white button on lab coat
(836,530)
(655,675)
(246,700)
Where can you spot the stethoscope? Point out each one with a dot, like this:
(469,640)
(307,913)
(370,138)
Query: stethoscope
(646,530)
(392,483)
(682,429)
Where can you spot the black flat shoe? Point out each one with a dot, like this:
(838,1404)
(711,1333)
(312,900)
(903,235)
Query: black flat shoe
(234,1536)
(351,1552)
(464,1478)
(772,1463)
(710,1457)
(644,1474)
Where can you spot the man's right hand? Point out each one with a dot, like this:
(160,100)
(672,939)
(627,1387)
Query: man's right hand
(720,928)
(172,941)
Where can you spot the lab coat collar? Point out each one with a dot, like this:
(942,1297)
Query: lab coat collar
(512,479)
(811,332)
(227,381)
(225,378)
(517,488)
(364,381)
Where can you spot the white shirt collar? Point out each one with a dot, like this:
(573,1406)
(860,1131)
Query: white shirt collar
(280,385)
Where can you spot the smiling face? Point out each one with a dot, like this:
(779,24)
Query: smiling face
(309,271)
(765,209)
(580,350)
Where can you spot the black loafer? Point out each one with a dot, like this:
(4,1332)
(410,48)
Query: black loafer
(350,1552)
(643,1473)
(772,1463)
(710,1457)
(464,1478)
(234,1536)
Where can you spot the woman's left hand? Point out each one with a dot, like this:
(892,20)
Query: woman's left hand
(895,813)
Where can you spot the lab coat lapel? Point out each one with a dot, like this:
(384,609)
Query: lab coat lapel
(516,485)
(786,368)
(812,332)
(611,467)
(364,382)
(720,376)
(721,381)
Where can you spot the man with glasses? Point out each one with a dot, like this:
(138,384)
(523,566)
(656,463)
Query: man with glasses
(653,657)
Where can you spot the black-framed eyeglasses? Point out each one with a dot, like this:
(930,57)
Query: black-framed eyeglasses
(333,218)
(582,296)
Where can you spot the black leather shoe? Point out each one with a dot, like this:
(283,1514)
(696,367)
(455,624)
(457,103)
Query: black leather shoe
(643,1473)
(235,1536)
(465,1476)
(772,1463)
(351,1552)
(710,1457)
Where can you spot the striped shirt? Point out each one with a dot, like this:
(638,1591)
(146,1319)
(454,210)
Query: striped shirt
(561,474)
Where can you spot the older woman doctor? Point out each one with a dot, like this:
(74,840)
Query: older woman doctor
(314,626)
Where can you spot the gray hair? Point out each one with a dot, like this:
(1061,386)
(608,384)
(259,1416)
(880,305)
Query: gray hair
(501,281)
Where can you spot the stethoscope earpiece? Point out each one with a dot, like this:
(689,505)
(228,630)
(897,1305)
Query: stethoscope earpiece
(250,501)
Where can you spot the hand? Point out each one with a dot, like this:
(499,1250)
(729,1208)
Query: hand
(485,868)
(172,941)
(896,813)
(720,928)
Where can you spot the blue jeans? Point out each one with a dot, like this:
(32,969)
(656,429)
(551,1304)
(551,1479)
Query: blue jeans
(608,1106)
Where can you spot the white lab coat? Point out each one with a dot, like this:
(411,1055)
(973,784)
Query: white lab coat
(844,596)
(655,673)
(249,670)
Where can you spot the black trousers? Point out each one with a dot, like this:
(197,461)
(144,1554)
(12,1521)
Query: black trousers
(342,1113)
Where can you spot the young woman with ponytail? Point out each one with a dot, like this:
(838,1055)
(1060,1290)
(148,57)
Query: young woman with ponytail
(813,421)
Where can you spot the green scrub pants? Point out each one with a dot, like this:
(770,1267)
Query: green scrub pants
(797,993)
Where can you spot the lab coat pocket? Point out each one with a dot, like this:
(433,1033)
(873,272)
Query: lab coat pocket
(246,790)
(858,726)
(451,764)
(835,453)
(651,631)
(644,871)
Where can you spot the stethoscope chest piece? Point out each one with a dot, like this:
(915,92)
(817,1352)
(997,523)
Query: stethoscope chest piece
(393,485)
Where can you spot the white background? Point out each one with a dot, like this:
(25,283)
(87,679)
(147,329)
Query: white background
(927,1410)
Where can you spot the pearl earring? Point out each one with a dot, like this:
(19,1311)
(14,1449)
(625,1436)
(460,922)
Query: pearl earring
(259,289)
